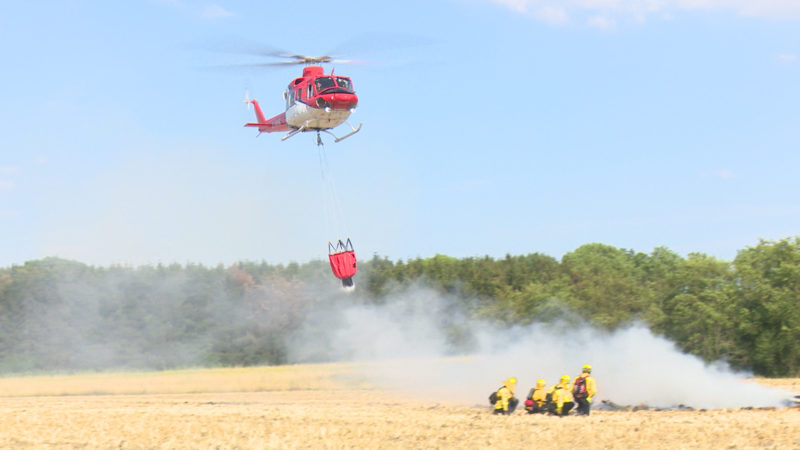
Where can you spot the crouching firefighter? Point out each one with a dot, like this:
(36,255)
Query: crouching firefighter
(537,400)
(562,402)
(504,400)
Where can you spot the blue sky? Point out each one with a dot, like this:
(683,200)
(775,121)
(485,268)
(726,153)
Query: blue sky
(490,127)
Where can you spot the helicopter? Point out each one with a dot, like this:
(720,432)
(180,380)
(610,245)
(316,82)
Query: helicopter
(315,101)
(318,102)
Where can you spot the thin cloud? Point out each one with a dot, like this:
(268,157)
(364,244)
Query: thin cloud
(786,58)
(602,22)
(209,12)
(520,6)
(606,13)
(5,214)
(554,15)
(170,3)
(5,183)
(725,174)
(213,12)
(775,9)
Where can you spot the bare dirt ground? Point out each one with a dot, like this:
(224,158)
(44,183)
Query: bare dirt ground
(327,417)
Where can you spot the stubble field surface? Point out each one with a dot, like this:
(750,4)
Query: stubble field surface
(332,406)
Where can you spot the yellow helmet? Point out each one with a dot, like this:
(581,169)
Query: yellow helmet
(565,378)
(512,380)
(587,368)
(541,382)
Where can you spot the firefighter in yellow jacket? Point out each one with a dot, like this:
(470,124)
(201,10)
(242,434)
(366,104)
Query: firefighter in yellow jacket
(506,402)
(562,402)
(537,399)
(583,389)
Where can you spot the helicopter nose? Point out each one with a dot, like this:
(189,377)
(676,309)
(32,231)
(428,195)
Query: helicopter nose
(341,100)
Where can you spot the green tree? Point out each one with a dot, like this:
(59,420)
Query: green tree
(699,316)
(604,285)
(768,306)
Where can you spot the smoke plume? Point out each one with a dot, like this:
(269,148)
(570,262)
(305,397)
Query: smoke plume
(430,348)
(416,340)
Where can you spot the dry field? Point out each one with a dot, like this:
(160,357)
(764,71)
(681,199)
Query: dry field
(328,406)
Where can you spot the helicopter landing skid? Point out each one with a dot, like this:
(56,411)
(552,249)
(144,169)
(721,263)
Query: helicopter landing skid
(293,132)
(304,127)
(338,139)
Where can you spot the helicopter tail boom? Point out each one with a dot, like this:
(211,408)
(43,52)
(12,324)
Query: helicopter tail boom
(259,115)
(277,123)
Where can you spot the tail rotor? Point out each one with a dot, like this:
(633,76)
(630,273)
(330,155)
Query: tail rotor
(248,101)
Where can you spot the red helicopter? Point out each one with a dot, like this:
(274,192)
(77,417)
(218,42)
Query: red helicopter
(314,102)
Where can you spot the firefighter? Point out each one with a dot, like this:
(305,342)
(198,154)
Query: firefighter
(562,402)
(583,390)
(506,402)
(537,399)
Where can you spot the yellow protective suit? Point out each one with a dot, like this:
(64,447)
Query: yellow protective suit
(591,385)
(539,394)
(562,395)
(505,394)
(584,406)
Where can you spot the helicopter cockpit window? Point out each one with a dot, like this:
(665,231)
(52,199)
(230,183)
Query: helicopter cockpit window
(324,83)
(344,83)
(333,85)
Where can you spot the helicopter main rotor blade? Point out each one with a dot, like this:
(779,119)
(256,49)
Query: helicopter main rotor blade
(255,49)
(234,67)
(280,58)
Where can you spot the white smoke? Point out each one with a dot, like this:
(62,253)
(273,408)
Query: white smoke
(415,339)
(411,333)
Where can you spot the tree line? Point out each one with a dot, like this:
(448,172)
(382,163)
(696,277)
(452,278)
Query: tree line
(58,315)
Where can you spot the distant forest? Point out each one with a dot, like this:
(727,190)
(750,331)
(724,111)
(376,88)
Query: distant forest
(61,315)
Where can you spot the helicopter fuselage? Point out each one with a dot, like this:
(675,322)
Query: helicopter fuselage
(317,101)
(314,102)
(303,115)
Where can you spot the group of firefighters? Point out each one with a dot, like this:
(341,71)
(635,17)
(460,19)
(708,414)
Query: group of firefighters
(558,400)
